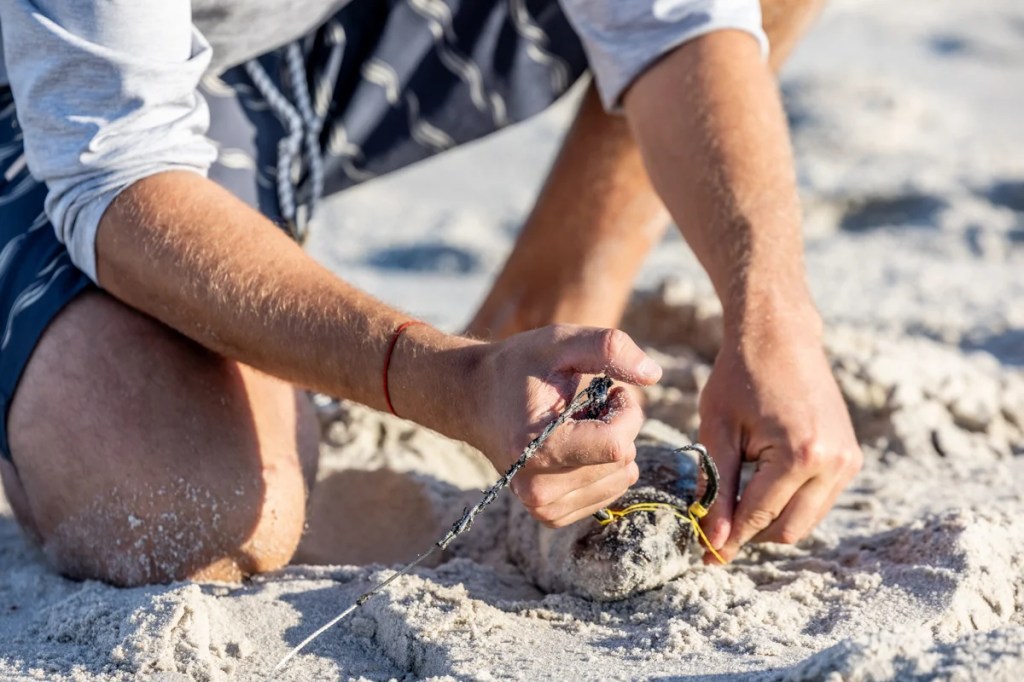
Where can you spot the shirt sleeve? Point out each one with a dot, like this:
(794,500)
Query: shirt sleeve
(106,95)
(623,38)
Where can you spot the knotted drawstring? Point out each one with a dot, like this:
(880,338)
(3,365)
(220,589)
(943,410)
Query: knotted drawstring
(302,129)
(692,515)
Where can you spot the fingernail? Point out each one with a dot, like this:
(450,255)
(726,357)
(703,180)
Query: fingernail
(649,369)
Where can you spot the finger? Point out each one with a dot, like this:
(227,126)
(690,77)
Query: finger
(591,350)
(767,494)
(800,515)
(850,470)
(538,490)
(830,502)
(725,451)
(594,441)
(585,501)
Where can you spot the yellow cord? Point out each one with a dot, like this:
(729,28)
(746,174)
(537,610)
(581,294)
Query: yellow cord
(696,512)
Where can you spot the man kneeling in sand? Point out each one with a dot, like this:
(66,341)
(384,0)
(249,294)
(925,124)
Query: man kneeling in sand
(160,162)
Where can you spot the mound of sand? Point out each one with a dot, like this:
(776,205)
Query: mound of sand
(920,570)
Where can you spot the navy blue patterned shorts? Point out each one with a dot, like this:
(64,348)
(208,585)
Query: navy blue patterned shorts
(386,85)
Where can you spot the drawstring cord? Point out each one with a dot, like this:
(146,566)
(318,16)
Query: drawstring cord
(312,124)
(302,129)
(692,516)
(696,511)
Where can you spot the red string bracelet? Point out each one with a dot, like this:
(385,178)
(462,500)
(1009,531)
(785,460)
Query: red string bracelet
(387,359)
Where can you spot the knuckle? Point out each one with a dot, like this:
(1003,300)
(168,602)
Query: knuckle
(546,522)
(628,452)
(847,463)
(557,523)
(759,519)
(531,495)
(623,483)
(634,474)
(613,341)
(543,515)
(615,454)
(855,462)
(558,332)
(620,489)
(790,536)
(809,455)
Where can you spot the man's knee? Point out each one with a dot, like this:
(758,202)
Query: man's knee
(142,457)
(184,528)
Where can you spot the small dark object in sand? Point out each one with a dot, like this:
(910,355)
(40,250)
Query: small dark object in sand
(635,553)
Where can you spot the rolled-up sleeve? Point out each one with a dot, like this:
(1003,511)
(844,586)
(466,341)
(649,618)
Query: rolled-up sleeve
(106,95)
(624,37)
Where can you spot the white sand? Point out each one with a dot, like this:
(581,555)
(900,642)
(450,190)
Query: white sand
(910,142)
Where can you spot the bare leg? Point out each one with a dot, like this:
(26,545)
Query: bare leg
(597,216)
(142,457)
(785,22)
(594,222)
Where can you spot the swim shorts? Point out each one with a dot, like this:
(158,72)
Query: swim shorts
(379,86)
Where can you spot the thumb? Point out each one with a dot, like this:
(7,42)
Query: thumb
(591,350)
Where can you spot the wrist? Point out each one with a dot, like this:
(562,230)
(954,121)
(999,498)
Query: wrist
(469,390)
(431,380)
(763,308)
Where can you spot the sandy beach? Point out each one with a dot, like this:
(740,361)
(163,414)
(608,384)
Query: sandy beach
(908,128)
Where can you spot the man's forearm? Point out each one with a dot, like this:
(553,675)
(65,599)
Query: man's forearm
(184,250)
(711,128)
(187,252)
(712,131)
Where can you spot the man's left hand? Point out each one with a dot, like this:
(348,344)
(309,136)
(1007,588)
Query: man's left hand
(772,400)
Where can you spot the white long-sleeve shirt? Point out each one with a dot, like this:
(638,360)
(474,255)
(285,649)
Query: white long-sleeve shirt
(106,90)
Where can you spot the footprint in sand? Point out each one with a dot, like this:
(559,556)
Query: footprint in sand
(906,210)
(442,258)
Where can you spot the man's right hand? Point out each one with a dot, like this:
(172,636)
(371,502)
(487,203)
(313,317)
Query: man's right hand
(218,272)
(525,381)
